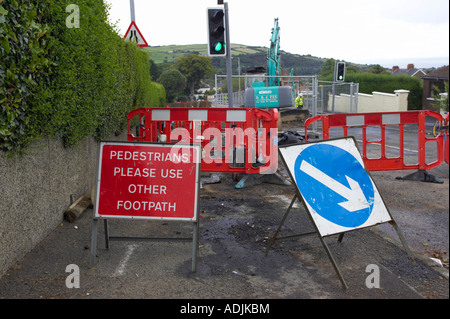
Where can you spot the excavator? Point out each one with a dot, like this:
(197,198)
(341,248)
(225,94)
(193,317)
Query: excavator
(277,94)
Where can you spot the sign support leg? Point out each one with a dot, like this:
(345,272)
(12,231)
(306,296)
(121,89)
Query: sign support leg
(195,241)
(402,239)
(324,244)
(105,224)
(333,262)
(94,242)
(281,224)
(195,246)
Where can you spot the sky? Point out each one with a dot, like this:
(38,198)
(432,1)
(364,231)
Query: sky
(385,32)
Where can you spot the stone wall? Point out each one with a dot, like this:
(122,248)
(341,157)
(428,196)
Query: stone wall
(36,189)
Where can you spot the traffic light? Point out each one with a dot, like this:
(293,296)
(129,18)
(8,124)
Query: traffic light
(216,32)
(340,71)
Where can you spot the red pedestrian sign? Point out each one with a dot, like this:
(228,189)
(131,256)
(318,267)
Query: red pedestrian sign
(133,34)
(147,181)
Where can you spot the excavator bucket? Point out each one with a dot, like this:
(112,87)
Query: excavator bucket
(292,117)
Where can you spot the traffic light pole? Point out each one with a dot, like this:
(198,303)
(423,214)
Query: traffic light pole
(334,85)
(228,52)
(339,76)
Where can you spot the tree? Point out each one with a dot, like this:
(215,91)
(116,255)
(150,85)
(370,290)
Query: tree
(174,82)
(194,68)
(441,102)
(377,69)
(351,69)
(327,69)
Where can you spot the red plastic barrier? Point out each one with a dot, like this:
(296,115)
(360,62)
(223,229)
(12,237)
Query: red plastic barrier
(400,119)
(446,151)
(234,140)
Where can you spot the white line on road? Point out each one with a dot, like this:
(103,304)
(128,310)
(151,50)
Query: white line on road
(396,147)
(406,284)
(123,263)
(287,200)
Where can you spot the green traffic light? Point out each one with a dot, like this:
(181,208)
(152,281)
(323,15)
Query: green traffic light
(218,47)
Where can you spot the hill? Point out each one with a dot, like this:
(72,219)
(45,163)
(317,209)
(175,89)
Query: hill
(249,57)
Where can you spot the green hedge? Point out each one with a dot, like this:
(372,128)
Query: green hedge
(67,82)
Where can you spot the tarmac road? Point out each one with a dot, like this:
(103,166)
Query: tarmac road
(235,228)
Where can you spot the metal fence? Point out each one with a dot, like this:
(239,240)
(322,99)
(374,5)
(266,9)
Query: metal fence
(307,85)
(329,93)
(319,97)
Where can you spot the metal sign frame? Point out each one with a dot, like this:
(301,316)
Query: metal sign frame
(194,219)
(307,208)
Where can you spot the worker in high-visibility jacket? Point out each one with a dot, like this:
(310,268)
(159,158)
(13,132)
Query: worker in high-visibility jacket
(299,101)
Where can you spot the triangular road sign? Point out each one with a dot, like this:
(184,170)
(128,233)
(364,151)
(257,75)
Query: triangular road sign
(133,34)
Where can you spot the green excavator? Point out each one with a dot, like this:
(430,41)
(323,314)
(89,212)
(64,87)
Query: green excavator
(277,93)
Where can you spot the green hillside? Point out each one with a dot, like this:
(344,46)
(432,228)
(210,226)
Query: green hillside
(249,56)
(169,53)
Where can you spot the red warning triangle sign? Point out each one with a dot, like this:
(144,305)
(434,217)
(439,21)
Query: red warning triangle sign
(133,34)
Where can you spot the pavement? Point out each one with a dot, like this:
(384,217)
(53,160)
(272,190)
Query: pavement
(235,228)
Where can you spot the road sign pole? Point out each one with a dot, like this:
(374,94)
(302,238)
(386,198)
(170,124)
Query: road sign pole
(228,50)
(132,11)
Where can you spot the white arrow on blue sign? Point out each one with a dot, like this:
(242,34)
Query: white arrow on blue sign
(353,195)
(335,186)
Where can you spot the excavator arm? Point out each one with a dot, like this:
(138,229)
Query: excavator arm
(274,95)
(273,55)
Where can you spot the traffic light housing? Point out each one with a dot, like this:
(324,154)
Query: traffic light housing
(216,32)
(340,71)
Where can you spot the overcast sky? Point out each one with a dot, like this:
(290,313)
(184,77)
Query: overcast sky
(386,32)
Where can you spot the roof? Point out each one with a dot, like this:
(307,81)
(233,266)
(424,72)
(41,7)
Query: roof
(410,72)
(441,74)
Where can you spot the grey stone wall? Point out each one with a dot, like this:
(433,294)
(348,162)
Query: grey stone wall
(35,191)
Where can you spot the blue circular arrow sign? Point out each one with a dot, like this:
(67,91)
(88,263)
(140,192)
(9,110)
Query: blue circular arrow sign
(335,184)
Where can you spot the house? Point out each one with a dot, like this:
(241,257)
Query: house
(433,84)
(410,70)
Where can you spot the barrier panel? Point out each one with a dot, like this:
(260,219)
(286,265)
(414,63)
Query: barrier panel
(384,120)
(233,140)
(446,151)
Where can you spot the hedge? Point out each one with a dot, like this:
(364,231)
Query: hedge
(67,82)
